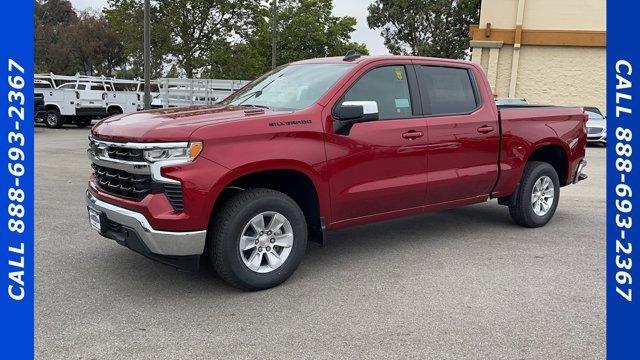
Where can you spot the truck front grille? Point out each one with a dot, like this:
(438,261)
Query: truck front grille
(126,154)
(134,181)
(122,183)
(594,130)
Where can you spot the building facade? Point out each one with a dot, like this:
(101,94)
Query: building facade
(546,51)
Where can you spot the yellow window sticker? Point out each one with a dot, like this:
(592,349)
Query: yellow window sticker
(398,72)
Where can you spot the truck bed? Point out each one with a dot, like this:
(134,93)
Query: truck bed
(527,128)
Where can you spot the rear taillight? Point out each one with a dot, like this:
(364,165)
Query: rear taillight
(78,95)
(104,96)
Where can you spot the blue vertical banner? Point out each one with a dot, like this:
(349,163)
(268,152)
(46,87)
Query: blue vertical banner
(623,181)
(16,180)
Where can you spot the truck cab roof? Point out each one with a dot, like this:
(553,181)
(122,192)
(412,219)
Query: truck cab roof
(369,59)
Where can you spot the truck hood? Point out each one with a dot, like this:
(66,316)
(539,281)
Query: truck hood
(174,124)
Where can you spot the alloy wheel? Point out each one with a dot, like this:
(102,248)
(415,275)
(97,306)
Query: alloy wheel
(266,242)
(542,195)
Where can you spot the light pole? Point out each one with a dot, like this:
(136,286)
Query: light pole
(274,25)
(147,55)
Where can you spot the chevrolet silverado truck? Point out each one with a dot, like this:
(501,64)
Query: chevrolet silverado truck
(318,145)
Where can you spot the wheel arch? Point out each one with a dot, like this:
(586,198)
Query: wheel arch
(118,109)
(556,155)
(49,107)
(303,185)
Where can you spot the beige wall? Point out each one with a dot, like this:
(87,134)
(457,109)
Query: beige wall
(564,65)
(555,75)
(545,14)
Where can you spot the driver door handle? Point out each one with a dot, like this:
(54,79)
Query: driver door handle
(485,129)
(412,135)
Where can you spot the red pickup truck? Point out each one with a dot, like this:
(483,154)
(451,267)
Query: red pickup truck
(317,145)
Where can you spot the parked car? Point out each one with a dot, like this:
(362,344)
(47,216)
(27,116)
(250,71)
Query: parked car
(593,109)
(318,145)
(596,127)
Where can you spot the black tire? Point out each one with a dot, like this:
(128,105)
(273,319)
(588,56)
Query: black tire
(114,111)
(53,119)
(523,212)
(83,122)
(228,226)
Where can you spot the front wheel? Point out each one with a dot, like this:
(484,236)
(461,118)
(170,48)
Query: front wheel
(537,197)
(258,239)
(53,119)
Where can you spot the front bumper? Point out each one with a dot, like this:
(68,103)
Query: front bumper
(597,139)
(131,229)
(596,135)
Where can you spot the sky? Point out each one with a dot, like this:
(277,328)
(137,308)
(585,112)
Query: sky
(355,8)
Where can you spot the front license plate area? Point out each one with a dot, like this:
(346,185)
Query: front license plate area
(94,220)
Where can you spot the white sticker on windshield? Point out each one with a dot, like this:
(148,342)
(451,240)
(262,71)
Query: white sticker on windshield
(402,103)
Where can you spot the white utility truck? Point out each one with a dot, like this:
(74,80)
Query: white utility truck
(79,99)
(185,92)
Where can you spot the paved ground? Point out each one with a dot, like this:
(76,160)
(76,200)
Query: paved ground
(464,283)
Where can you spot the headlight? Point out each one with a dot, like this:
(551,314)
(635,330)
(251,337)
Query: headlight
(186,154)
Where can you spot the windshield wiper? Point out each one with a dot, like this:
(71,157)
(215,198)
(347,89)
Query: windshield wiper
(256,93)
(257,106)
(248,96)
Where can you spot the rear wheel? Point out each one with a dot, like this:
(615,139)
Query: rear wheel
(258,239)
(53,119)
(538,195)
(114,111)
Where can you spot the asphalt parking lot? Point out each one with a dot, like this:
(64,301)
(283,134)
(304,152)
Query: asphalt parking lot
(464,283)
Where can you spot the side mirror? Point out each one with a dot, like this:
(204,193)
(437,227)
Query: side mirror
(353,112)
(358,110)
(350,112)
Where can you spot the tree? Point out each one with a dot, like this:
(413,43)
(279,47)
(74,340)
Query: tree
(67,42)
(51,18)
(438,28)
(92,47)
(125,18)
(210,38)
(198,27)
(305,29)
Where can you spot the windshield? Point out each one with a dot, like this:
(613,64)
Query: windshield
(594,116)
(42,85)
(291,87)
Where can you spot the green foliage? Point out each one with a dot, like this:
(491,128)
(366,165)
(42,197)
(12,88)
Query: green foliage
(198,27)
(51,18)
(126,18)
(438,28)
(305,29)
(194,38)
(68,43)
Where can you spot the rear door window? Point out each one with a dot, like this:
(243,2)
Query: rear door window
(446,90)
(386,85)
